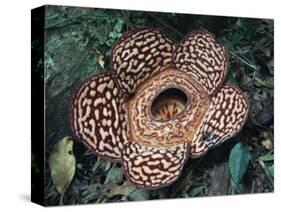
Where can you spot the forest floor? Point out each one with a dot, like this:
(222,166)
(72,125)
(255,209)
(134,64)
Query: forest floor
(78,45)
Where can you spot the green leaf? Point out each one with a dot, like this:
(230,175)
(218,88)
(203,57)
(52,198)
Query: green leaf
(62,164)
(114,175)
(267,157)
(238,162)
(270,170)
(119,25)
(197,188)
(139,195)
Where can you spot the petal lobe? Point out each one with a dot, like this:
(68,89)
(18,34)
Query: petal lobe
(98,117)
(139,54)
(224,119)
(202,57)
(153,167)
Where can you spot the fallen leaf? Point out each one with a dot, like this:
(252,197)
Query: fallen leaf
(101,164)
(238,162)
(62,164)
(197,188)
(266,51)
(270,170)
(267,144)
(100,57)
(267,157)
(115,189)
(139,195)
(114,175)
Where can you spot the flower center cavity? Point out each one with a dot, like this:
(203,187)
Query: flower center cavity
(168,104)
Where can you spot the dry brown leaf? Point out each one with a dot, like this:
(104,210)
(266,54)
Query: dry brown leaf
(123,190)
(62,164)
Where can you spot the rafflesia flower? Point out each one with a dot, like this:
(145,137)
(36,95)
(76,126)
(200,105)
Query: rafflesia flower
(160,103)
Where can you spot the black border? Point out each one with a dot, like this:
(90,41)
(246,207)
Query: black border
(37,105)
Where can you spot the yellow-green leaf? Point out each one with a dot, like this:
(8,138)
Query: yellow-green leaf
(267,157)
(267,144)
(62,164)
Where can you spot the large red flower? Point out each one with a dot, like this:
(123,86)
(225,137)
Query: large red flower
(161,103)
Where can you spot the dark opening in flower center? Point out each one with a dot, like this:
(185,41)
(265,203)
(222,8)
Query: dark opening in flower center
(168,104)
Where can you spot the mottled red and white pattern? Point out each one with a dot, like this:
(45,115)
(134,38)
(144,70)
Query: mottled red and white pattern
(153,167)
(138,55)
(98,116)
(225,117)
(199,55)
(146,130)
(111,112)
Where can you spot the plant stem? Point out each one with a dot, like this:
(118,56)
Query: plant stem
(243,60)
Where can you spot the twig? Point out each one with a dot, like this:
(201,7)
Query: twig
(268,34)
(243,60)
(61,199)
(64,22)
(71,20)
(265,171)
(165,24)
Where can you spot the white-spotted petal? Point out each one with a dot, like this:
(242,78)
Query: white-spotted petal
(138,55)
(225,118)
(203,58)
(98,116)
(153,167)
